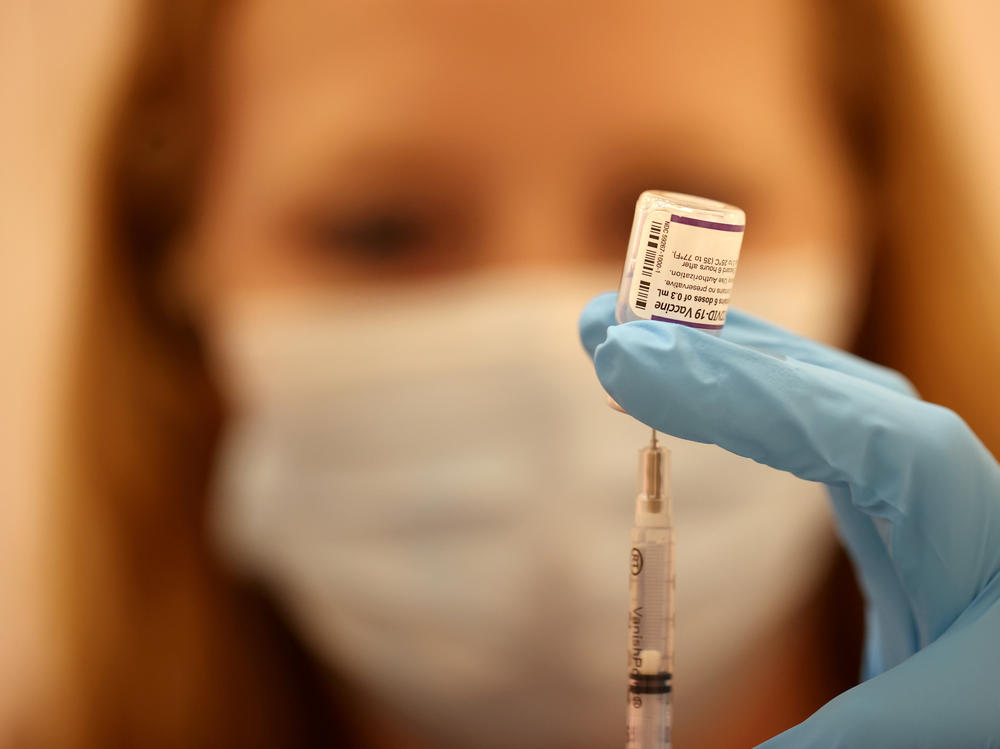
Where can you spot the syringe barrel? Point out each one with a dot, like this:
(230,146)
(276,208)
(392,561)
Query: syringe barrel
(650,637)
(648,724)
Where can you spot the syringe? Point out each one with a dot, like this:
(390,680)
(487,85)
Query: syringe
(651,606)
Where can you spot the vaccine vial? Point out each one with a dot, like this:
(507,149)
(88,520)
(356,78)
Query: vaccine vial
(681,261)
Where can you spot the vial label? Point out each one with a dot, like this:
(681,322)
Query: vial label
(684,270)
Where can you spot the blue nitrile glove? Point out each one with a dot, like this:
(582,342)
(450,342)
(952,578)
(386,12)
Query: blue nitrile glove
(915,494)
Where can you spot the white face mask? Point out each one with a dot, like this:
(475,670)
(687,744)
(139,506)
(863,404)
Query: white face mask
(437,491)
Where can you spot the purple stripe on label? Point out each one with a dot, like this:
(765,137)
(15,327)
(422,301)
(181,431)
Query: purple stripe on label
(705,224)
(688,324)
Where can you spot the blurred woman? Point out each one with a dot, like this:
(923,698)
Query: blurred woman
(336,244)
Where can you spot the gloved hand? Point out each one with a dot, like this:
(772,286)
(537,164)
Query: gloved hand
(915,494)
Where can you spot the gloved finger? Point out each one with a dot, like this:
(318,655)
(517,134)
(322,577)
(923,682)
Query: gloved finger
(944,696)
(891,633)
(915,468)
(596,318)
(891,630)
(747,330)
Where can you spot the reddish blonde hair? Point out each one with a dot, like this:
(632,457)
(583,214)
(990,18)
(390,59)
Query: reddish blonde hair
(162,647)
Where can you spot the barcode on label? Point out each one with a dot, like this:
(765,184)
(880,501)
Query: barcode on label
(642,295)
(648,263)
(652,245)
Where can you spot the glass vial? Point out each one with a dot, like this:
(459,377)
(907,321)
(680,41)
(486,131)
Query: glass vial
(681,261)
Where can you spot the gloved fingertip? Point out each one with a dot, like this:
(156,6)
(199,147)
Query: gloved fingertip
(596,318)
(901,383)
(629,363)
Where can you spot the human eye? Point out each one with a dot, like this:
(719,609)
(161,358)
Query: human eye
(372,237)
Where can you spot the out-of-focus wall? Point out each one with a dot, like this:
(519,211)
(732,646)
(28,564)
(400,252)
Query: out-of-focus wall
(57,63)
(957,46)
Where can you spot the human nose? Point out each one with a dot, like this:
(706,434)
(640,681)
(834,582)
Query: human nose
(541,227)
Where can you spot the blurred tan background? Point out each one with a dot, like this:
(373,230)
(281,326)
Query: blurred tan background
(58,65)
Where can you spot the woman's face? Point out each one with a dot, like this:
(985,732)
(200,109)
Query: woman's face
(387,141)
